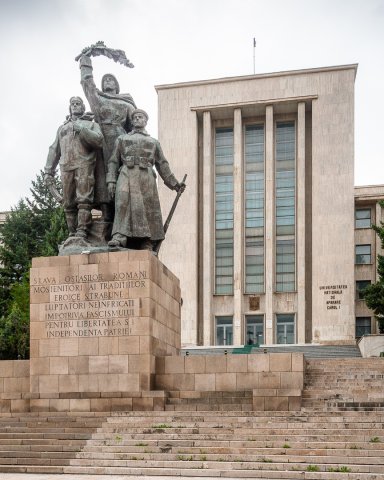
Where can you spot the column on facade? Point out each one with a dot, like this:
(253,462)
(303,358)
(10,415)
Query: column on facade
(208,221)
(300,225)
(269,223)
(238,227)
(378,251)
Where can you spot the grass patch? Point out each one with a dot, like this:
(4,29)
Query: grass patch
(343,469)
(313,468)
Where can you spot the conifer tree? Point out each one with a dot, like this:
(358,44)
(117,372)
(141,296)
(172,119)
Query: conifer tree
(34,228)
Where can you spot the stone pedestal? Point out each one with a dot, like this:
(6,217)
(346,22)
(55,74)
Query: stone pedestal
(98,322)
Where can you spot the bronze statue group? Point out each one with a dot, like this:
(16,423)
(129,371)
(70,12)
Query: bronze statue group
(106,161)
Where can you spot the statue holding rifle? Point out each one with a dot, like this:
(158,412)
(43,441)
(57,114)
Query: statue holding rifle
(119,157)
(132,180)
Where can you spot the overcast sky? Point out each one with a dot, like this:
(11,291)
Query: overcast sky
(170,41)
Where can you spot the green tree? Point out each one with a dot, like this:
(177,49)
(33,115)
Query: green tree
(34,228)
(374,294)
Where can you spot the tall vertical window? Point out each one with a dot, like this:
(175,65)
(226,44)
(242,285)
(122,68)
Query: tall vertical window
(361,285)
(362,254)
(254,209)
(363,218)
(285,328)
(363,326)
(224,211)
(224,330)
(285,206)
(254,329)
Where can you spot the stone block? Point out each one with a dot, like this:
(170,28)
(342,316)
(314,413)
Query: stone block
(194,364)
(49,348)
(78,365)
(68,347)
(140,326)
(37,330)
(59,405)
(158,404)
(89,383)
(21,368)
(117,257)
(141,363)
(184,381)
(275,404)
(13,385)
(160,365)
(145,344)
(237,363)
(292,380)
(174,364)
(40,366)
(269,380)
(247,381)
(39,405)
(68,383)
(100,258)
(33,349)
(146,381)
(129,345)
(142,404)
(108,383)
(225,381)
(40,262)
(280,362)
(298,362)
(58,365)
(258,363)
(121,404)
(81,259)
(98,364)
(215,363)
(101,404)
(118,364)
(205,382)
(258,404)
(80,405)
(165,382)
(294,403)
(88,346)
(108,345)
(48,383)
(6,368)
(20,406)
(128,382)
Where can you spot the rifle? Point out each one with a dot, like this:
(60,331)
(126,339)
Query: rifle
(171,212)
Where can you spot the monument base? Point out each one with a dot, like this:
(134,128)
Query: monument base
(98,322)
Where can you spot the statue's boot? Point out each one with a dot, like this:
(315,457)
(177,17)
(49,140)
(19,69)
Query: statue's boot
(146,244)
(71,218)
(84,221)
(118,240)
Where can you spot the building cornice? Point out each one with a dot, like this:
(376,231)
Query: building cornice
(308,71)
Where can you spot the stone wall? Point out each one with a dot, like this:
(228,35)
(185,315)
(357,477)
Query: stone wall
(276,380)
(14,386)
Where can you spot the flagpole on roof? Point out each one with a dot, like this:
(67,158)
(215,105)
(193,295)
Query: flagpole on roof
(254,48)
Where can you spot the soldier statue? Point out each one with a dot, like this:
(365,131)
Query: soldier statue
(75,149)
(132,181)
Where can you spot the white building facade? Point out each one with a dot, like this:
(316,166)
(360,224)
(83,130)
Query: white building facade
(262,239)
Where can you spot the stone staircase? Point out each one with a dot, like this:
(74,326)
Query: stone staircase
(270,445)
(344,384)
(309,350)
